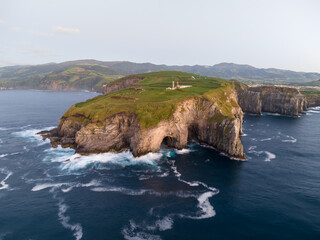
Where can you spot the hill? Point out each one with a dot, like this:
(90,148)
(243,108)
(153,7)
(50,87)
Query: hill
(91,74)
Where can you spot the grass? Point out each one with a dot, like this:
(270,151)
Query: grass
(312,95)
(150,100)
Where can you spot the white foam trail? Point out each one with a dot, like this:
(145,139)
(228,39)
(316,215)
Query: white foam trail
(244,135)
(265,139)
(9,154)
(292,139)
(192,183)
(40,187)
(125,191)
(206,209)
(65,220)
(3,184)
(70,186)
(270,156)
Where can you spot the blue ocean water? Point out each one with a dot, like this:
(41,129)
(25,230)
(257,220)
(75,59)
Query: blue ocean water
(195,193)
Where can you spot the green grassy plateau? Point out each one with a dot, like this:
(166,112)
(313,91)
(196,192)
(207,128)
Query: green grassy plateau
(150,100)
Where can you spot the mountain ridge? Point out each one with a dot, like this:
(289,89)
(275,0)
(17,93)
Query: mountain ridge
(64,77)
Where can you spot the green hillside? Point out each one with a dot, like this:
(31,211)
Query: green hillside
(312,95)
(150,99)
(88,74)
(66,77)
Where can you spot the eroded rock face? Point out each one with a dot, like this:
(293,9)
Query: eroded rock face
(194,120)
(285,101)
(119,85)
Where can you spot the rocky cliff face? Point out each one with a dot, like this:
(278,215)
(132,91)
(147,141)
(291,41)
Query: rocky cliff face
(195,119)
(124,83)
(285,101)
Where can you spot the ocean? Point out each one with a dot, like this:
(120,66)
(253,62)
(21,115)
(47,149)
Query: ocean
(194,193)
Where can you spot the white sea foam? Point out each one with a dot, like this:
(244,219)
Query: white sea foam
(73,162)
(69,185)
(206,209)
(3,155)
(126,191)
(191,183)
(183,151)
(270,156)
(313,111)
(65,220)
(265,139)
(32,135)
(3,184)
(205,206)
(135,232)
(163,224)
(315,108)
(290,139)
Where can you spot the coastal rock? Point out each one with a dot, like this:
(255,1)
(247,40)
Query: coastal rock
(197,119)
(281,100)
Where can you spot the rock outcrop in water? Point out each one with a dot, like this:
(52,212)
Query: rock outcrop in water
(214,121)
(194,120)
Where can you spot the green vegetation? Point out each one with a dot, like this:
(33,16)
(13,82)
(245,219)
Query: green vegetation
(97,73)
(150,100)
(312,95)
(73,77)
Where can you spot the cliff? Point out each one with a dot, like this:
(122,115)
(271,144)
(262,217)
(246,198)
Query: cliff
(140,114)
(282,100)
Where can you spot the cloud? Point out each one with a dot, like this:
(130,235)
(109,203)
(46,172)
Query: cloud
(2,49)
(1,21)
(42,52)
(40,34)
(17,29)
(4,62)
(67,30)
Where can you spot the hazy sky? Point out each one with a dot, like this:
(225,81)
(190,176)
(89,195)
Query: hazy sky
(263,33)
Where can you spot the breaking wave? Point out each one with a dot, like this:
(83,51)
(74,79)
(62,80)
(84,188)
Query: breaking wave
(32,135)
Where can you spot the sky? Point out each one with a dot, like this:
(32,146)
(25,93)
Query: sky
(263,33)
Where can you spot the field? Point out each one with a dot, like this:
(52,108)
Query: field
(150,100)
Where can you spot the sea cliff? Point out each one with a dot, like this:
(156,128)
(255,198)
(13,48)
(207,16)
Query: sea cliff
(281,100)
(139,114)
